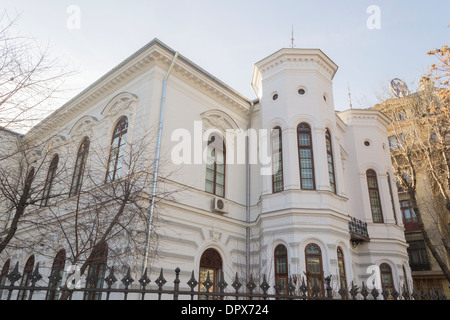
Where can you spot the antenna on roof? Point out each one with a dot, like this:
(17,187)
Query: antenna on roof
(292,37)
(349,96)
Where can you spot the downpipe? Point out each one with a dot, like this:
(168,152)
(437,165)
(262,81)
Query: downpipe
(155,175)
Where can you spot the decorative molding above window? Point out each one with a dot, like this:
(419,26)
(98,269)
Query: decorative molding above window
(218,120)
(120,104)
(83,126)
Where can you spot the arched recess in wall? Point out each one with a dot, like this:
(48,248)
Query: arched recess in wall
(211,271)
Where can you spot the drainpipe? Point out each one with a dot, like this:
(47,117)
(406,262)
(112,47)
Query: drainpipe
(247,207)
(155,175)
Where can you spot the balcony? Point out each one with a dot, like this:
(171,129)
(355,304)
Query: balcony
(358,232)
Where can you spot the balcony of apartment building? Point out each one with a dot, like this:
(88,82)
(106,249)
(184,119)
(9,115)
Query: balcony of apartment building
(358,231)
(409,216)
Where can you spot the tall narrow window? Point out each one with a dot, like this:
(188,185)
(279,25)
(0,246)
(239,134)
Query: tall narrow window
(341,267)
(374,195)
(215,166)
(392,197)
(27,187)
(314,270)
(3,275)
(27,270)
(49,181)
(330,160)
(306,159)
(118,143)
(281,267)
(79,167)
(57,270)
(210,266)
(277,160)
(387,281)
(97,270)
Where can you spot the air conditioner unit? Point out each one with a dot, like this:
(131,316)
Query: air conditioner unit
(219,205)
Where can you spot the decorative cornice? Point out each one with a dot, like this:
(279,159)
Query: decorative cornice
(155,52)
(294,59)
(364,114)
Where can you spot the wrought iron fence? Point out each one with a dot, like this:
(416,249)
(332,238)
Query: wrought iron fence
(252,290)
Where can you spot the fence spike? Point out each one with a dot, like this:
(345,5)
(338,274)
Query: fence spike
(354,291)
(160,281)
(251,284)
(236,284)
(144,280)
(375,293)
(192,283)
(222,283)
(304,288)
(35,276)
(364,291)
(55,277)
(128,280)
(110,279)
(264,285)
(15,275)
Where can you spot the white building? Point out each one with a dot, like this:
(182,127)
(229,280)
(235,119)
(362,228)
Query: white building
(335,166)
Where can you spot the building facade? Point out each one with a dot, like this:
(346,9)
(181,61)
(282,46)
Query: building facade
(327,208)
(426,273)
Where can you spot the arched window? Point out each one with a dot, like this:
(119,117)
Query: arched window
(281,267)
(341,268)
(210,265)
(314,270)
(330,161)
(49,181)
(96,272)
(27,270)
(215,166)
(386,277)
(79,167)
(57,269)
(118,144)
(27,188)
(306,160)
(374,195)
(392,197)
(277,160)
(4,274)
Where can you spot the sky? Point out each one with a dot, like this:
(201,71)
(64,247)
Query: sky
(226,38)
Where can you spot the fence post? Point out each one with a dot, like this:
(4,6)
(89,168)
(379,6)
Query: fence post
(176,282)
(328,288)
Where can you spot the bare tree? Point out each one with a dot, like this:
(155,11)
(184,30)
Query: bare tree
(25,183)
(92,208)
(419,137)
(30,77)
